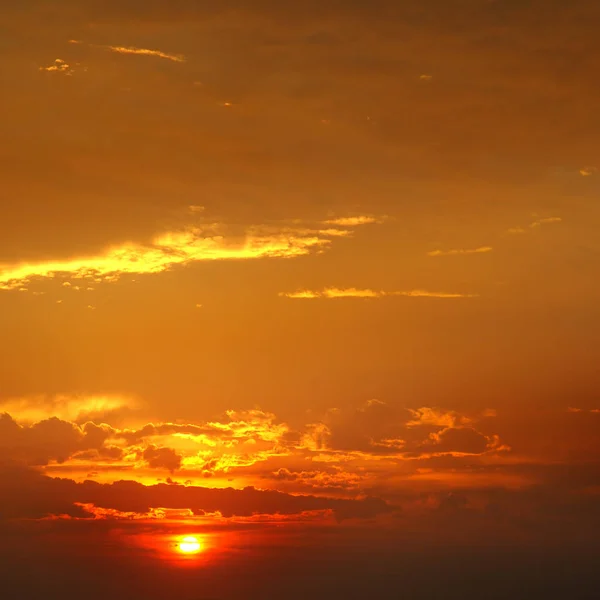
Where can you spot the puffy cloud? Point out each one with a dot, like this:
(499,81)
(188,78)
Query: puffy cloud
(247,444)
(318,479)
(162,458)
(378,431)
(59,66)
(48,440)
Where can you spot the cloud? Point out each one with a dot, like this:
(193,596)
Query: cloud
(350,293)
(246,444)
(333,292)
(588,171)
(170,249)
(438,418)
(162,458)
(26,494)
(76,408)
(252,425)
(48,440)
(454,252)
(535,224)
(301,294)
(354,221)
(318,479)
(459,440)
(144,52)
(377,431)
(545,221)
(59,66)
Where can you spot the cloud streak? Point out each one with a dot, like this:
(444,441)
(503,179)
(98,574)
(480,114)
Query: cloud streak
(535,225)
(354,221)
(175,248)
(333,293)
(458,251)
(135,50)
(145,52)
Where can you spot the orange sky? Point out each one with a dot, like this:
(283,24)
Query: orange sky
(341,257)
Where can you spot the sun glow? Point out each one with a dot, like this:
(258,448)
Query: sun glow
(190,545)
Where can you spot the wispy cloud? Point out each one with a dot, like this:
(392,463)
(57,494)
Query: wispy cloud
(354,221)
(333,292)
(145,52)
(588,171)
(545,221)
(171,249)
(75,408)
(134,50)
(534,225)
(456,251)
(301,294)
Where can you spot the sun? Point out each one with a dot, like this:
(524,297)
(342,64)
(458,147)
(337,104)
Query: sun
(189,545)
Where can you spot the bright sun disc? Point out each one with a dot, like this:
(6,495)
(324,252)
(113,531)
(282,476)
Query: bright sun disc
(189,545)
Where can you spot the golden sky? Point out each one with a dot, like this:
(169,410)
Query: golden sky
(306,267)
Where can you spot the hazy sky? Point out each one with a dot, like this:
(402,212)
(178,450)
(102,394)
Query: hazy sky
(340,256)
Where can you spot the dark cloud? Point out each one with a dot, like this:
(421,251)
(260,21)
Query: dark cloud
(162,458)
(48,440)
(380,428)
(464,439)
(27,494)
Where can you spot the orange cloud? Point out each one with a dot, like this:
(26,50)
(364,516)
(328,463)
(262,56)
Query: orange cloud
(333,292)
(354,221)
(59,66)
(438,418)
(454,252)
(162,458)
(126,499)
(354,445)
(76,408)
(545,221)
(170,249)
(535,224)
(48,440)
(145,52)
